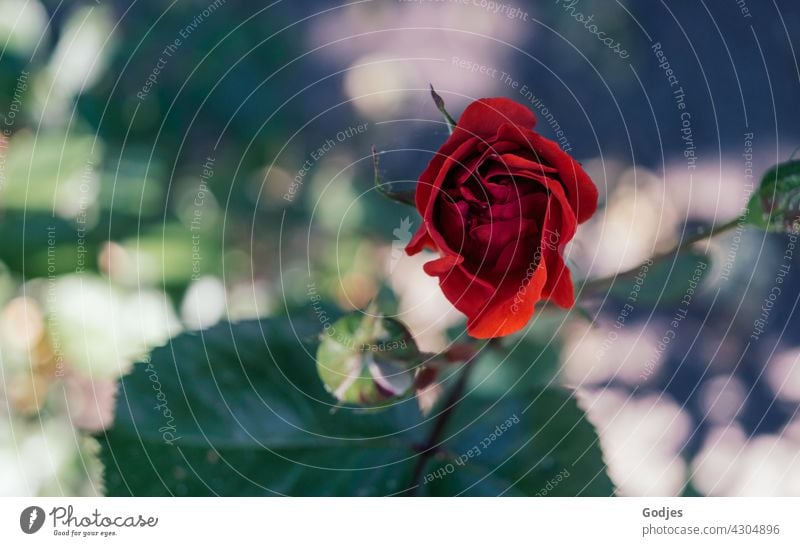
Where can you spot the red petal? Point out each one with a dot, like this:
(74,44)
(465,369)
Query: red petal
(454,152)
(442,265)
(484,117)
(466,292)
(560,220)
(420,240)
(497,234)
(503,316)
(580,189)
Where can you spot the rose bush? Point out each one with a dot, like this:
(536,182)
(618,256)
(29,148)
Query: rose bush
(499,202)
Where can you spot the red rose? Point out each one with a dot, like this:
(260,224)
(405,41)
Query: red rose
(498,203)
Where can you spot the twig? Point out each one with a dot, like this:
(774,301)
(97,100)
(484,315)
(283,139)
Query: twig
(431,444)
(603,282)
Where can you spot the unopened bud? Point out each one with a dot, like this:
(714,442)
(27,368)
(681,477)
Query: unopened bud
(367,360)
(775,205)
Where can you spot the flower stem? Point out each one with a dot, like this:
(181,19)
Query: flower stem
(604,282)
(433,441)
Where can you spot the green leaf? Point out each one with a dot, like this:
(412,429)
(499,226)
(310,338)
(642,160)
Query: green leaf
(239,410)
(525,364)
(775,205)
(666,280)
(536,445)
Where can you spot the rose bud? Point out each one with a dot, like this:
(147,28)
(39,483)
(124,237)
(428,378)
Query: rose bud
(775,205)
(499,202)
(367,360)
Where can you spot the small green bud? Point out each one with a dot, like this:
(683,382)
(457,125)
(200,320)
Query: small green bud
(367,360)
(775,205)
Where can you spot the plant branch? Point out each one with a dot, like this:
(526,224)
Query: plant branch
(703,234)
(431,445)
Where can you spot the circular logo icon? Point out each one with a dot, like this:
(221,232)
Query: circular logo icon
(31,519)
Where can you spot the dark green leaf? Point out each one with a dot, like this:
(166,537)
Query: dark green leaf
(540,444)
(524,364)
(239,410)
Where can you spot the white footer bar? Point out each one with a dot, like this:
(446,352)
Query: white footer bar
(397,521)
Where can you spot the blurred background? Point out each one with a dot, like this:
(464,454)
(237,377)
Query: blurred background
(165,166)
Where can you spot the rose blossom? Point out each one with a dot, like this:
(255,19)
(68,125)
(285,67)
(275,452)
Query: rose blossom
(499,202)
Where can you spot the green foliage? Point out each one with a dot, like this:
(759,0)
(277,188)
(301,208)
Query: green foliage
(517,432)
(173,253)
(524,363)
(521,444)
(46,171)
(239,410)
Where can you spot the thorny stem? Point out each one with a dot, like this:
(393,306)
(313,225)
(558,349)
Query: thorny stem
(432,443)
(604,282)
